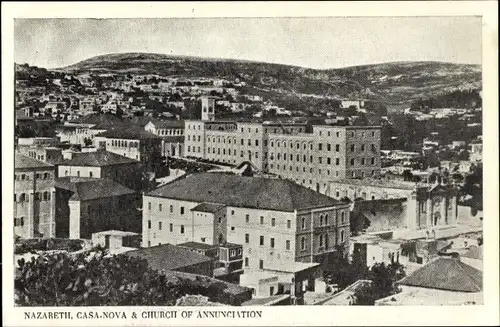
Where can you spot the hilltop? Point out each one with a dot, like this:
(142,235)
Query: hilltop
(389,82)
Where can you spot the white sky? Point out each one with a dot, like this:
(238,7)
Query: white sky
(330,42)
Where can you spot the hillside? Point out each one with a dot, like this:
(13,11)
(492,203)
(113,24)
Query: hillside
(389,82)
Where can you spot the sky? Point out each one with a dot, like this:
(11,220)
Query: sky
(322,43)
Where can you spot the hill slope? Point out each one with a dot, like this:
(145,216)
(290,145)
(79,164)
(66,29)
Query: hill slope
(391,82)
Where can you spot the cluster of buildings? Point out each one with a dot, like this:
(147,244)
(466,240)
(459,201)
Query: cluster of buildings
(319,193)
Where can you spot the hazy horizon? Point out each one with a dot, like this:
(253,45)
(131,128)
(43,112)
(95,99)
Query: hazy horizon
(319,43)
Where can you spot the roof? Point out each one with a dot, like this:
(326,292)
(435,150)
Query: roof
(24,162)
(91,188)
(208,207)
(167,123)
(245,192)
(131,133)
(267,300)
(379,183)
(97,158)
(172,139)
(168,257)
(197,245)
(116,233)
(446,274)
(104,121)
(475,252)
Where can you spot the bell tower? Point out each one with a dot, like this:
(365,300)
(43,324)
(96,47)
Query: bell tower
(207,108)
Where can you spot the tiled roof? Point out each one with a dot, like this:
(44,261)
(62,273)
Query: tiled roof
(446,274)
(197,245)
(245,192)
(167,123)
(379,183)
(97,159)
(475,252)
(131,133)
(168,257)
(24,162)
(208,207)
(91,188)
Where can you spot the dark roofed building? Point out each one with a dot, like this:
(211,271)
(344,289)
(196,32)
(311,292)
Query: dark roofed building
(24,162)
(103,164)
(448,274)
(270,222)
(246,192)
(89,205)
(168,257)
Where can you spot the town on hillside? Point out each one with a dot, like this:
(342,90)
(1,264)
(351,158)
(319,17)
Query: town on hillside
(164,189)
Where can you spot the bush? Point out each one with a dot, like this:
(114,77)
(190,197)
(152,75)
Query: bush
(37,244)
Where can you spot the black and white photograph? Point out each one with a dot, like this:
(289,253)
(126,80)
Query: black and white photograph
(247,162)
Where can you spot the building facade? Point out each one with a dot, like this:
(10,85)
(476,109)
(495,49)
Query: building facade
(286,150)
(34,198)
(276,221)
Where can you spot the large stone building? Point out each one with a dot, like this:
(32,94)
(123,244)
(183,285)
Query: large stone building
(102,164)
(134,143)
(89,205)
(34,198)
(418,206)
(277,221)
(287,150)
(172,136)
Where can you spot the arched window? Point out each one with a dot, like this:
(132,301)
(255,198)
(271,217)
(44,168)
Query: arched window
(45,175)
(46,196)
(326,219)
(341,236)
(342,217)
(303,243)
(23,177)
(326,241)
(321,220)
(66,173)
(321,240)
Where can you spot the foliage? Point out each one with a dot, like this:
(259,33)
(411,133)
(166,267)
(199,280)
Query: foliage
(96,279)
(383,278)
(455,99)
(45,244)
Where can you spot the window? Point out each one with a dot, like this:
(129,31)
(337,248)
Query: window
(303,223)
(90,174)
(247,238)
(272,242)
(159,225)
(261,240)
(232,228)
(149,223)
(303,243)
(320,146)
(352,162)
(321,220)
(287,245)
(362,147)
(362,161)
(78,173)
(256,142)
(320,240)
(352,148)
(342,217)
(261,220)
(273,222)
(329,147)
(171,227)
(149,205)
(247,218)
(261,264)
(182,229)
(342,236)
(372,161)
(171,208)
(159,207)
(46,196)
(182,210)
(326,219)
(246,262)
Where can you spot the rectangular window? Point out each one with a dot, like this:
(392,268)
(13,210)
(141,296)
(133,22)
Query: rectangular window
(352,148)
(171,208)
(159,225)
(182,210)
(288,224)
(149,224)
(247,218)
(287,244)
(261,220)
(261,240)
(149,205)
(182,229)
(328,147)
(256,142)
(273,222)
(320,146)
(261,264)
(272,242)
(246,262)
(159,207)
(247,238)
(303,223)
(171,227)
